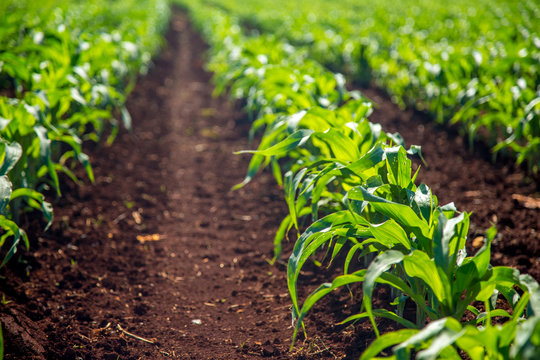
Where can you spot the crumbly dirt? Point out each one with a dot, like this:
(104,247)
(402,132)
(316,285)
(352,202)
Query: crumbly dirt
(160,260)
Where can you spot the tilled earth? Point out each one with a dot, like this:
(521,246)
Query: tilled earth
(160,260)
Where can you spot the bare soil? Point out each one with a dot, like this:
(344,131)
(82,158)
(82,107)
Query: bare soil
(160,260)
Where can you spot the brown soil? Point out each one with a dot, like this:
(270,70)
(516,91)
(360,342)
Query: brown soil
(159,260)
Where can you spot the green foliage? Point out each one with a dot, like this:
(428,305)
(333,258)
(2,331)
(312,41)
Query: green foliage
(65,70)
(475,64)
(441,338)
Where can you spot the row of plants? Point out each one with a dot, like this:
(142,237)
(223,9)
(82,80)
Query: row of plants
(65,70)
(475,64)
(353,187)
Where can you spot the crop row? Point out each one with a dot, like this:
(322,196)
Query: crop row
(65,70)
(357,186)
(476,64)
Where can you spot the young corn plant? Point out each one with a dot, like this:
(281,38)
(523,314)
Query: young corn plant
(441,281)
(331,144)
(446,338)
(420,250)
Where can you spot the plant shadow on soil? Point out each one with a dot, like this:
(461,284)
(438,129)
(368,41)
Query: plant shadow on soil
(159,259)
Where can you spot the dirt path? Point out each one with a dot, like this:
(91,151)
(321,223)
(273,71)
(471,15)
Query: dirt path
(159,260)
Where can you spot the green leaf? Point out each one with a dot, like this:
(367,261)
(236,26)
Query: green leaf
(472,269)
(425,201)
(45,153)
(441,243)
(12,230)
(44,141)
(44,206)
(403,214)
(534,289)
(126,118)
(290,187)
(85,161)
(432,330)
(441,344)
(343,148)
(76,95)
(254,166)
(373,157)
(419,265)
(399,166)
(379,265)
(497,312)
(527,340)
(293,141)
(285,225)
(13,152)
(390,233)
(5,192)
(387,340)
(384,314)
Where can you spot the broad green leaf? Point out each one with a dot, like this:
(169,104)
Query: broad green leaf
(402,214)
(384,314)
(425,201)
(419,265)
(13,152)
(12,229)
(294,119)
(431,330)
(473,269)
(527,340)
(373,157)
(381,264)
(472,342)
(439,344)
(399,166)
(5,192)
(293,141)
(452,229)
(390,233)
(343,148)
(44,206)
(44,141)
(534,289)
(76,95)
(45,153)
(492,313)
(387,340)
